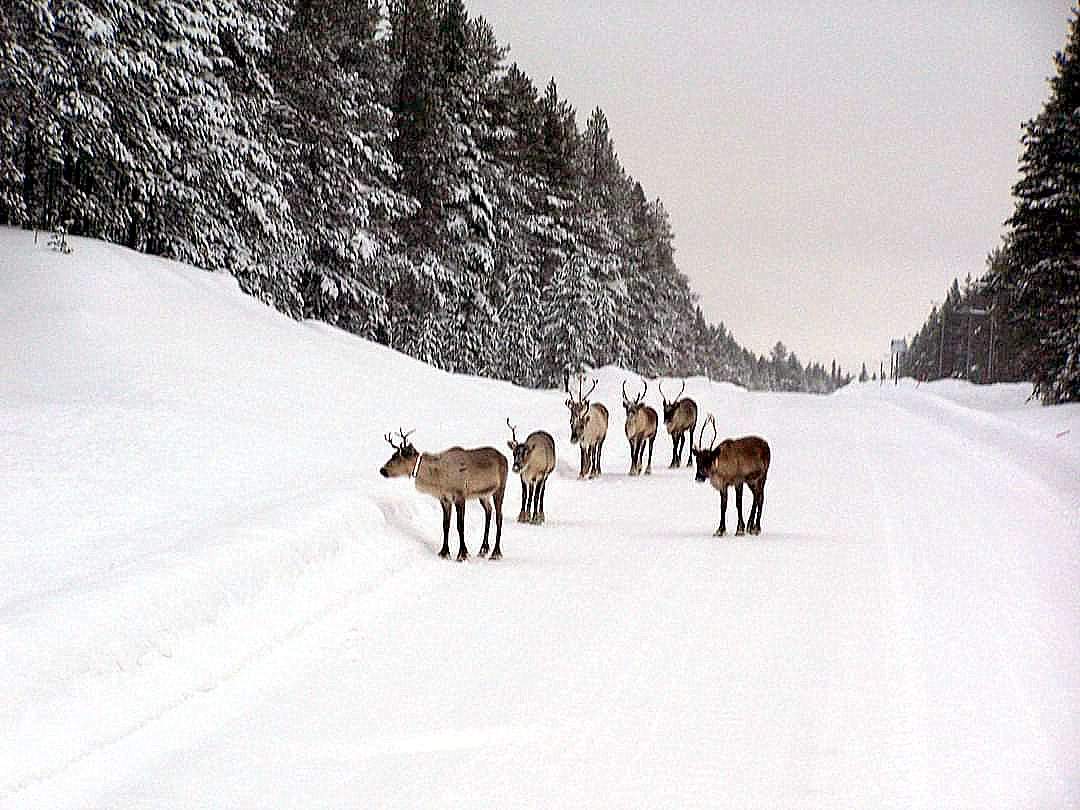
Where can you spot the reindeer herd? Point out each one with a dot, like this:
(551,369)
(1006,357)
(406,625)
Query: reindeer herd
(457,475)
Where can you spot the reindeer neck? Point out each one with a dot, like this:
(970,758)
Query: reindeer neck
(429,473)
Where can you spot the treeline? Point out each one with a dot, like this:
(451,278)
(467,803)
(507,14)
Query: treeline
(373,165)
(967,336)
(1021,320)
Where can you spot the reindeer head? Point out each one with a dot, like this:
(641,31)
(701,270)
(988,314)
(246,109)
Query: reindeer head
(579,411)
(403,462)
(632,406)
(704,456)
(519,450)
(672,406)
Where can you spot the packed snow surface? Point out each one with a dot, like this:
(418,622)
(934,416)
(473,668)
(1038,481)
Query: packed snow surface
(209,597)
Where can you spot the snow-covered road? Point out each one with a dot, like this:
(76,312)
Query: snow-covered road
(904,633)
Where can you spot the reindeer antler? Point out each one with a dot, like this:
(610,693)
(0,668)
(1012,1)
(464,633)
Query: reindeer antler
(678,395)
(589,391)
(624,396)
(663,396)
(709,420)
(643,393)
(513,431)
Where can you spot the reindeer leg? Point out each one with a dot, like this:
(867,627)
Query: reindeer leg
(741,528)
(486,503)
(759,501)
(524,501)
(599,449)
(445,551)
(584,470)
(496,553)
(463,552)
(538,517)
(648,469)
(721,530)
(690,453)
(676,449)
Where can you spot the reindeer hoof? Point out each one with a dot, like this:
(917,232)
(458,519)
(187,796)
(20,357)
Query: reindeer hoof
(648,471)
(463,557)
(719,533)
(756,530)
(496,555)
(537,520)
(522,517)
(482,552)
(739,532)
(444,554)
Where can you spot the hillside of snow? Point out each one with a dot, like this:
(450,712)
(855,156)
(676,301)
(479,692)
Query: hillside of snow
(210,598)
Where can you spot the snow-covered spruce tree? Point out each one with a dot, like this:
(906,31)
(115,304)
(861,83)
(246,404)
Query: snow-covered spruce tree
(569,317)
(331,118)
(1039,284)
(448,67)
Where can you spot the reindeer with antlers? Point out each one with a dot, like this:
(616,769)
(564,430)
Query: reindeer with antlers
(588,429)
(453,477)
(534,459)
(680,416)
(734,461)
(640,428)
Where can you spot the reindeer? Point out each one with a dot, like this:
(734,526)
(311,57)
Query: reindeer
(588,429)
(680,416)
(534,459)
(640,428)
(452,477)
(735,461)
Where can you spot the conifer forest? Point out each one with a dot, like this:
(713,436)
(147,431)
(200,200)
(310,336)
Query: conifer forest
(378,167)
(385,168)
(1021,319)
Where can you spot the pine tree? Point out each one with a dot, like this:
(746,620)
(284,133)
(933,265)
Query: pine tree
(1039,284)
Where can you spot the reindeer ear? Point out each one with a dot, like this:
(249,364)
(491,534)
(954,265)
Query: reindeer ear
(511,445)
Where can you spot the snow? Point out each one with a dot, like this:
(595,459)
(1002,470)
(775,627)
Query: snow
(209,598)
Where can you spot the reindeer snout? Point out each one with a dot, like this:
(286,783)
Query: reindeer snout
(700,478)
(383,472)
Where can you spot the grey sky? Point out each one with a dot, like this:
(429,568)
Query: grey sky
(828,167)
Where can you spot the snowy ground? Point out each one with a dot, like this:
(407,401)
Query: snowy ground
(209,598)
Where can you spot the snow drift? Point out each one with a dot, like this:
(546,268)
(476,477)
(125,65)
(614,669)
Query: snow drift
(193,535)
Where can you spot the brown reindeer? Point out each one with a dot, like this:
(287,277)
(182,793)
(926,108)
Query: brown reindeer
(735,461)
(588,429)
(680,416)
(640,428)
(453,477)
(534,459)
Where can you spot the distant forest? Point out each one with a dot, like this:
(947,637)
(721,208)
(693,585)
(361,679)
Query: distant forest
(1021,319)
(374,165)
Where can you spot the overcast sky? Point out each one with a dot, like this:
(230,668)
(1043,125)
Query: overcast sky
(829,167)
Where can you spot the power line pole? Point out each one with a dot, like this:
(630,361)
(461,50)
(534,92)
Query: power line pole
(941,350)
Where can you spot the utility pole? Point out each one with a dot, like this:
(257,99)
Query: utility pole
(941,350)
(971,312)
